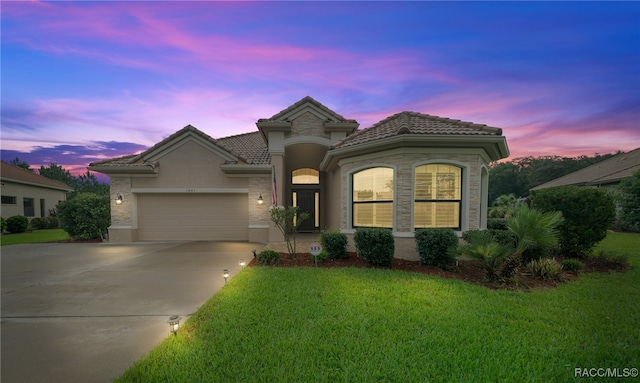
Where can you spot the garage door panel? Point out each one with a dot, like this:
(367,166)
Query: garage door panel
(192,217)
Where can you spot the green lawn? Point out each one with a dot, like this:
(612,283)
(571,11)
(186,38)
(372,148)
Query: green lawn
(36,236)
(370,325)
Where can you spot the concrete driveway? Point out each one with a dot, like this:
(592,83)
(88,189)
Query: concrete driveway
(84,312)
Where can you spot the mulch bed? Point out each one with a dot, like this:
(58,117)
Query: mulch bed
(470,271)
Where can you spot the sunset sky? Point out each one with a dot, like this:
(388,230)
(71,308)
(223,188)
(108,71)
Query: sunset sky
(85,81)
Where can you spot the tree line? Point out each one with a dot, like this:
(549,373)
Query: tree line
(521,174)
(83,183)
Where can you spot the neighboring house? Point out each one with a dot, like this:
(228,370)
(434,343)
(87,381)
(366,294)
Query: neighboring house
(606,174)
(29,194)
(407,171)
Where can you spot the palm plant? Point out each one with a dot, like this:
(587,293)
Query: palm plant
(491,253)
(534,229)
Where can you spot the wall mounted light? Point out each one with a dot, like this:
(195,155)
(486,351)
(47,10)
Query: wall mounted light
(174,324)
(225,274)
(119,199)
(260,200)
(242,263)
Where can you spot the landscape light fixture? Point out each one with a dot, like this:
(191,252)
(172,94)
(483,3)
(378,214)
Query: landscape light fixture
(174,324)
(260,199)
(119,199)
(242,263)
(225,274)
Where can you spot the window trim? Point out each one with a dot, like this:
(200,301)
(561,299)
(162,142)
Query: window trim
(352,203)
(462,202)
(13,200)
(315,170)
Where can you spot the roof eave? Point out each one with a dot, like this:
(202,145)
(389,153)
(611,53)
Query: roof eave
(125,170)
(22,182)
(495,146)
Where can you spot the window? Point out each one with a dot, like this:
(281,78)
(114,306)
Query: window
(305,176)
(373,198)
(42,205)
(438,196)
(28,204)
(9,200)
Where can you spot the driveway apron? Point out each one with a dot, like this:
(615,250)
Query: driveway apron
(84,312)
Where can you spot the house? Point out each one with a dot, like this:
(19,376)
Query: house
(29,194)
(606,174)
(408,171)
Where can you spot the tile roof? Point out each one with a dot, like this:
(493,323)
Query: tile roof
(17,174)
(416,123)
(249,148)
(611,170)
(280,116)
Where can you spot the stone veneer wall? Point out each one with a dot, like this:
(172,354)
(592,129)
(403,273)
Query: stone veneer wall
(121,215)
(259,218)
(308,124)
(121,229)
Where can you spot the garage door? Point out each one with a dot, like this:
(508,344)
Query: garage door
(193,217)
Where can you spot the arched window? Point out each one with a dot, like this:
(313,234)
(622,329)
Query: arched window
(305,176)
(438,196)
(373,198)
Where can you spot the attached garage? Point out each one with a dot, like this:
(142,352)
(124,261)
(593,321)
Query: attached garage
(193,216)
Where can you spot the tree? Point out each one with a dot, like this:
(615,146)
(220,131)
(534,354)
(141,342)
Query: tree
(21,164)
(89,183)
(288,220)
(628,198)
(58,173)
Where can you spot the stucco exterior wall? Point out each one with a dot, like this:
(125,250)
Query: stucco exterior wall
(333,200)
(21,191)
(190,166)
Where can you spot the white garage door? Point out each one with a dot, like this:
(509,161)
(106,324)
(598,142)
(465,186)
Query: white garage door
(193,217)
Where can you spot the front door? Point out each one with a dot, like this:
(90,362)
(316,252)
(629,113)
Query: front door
(308,200)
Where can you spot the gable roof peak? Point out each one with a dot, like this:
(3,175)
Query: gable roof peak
(283,115)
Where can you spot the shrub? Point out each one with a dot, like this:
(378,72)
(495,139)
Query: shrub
(375,245)
(268,257)
(17,224)
(612,260)
(334,244)
(628,198)
(545,268)
(588,213)
(51,222)
(37,223)
(3,224)
(497,223)
(434,246)
(87,216)
(572,265)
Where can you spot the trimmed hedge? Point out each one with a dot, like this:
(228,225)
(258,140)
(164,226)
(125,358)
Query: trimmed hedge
(334,244)
(268,257)
(497,223)
(17,224)
(375,245)
(434,246)
(588,214)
